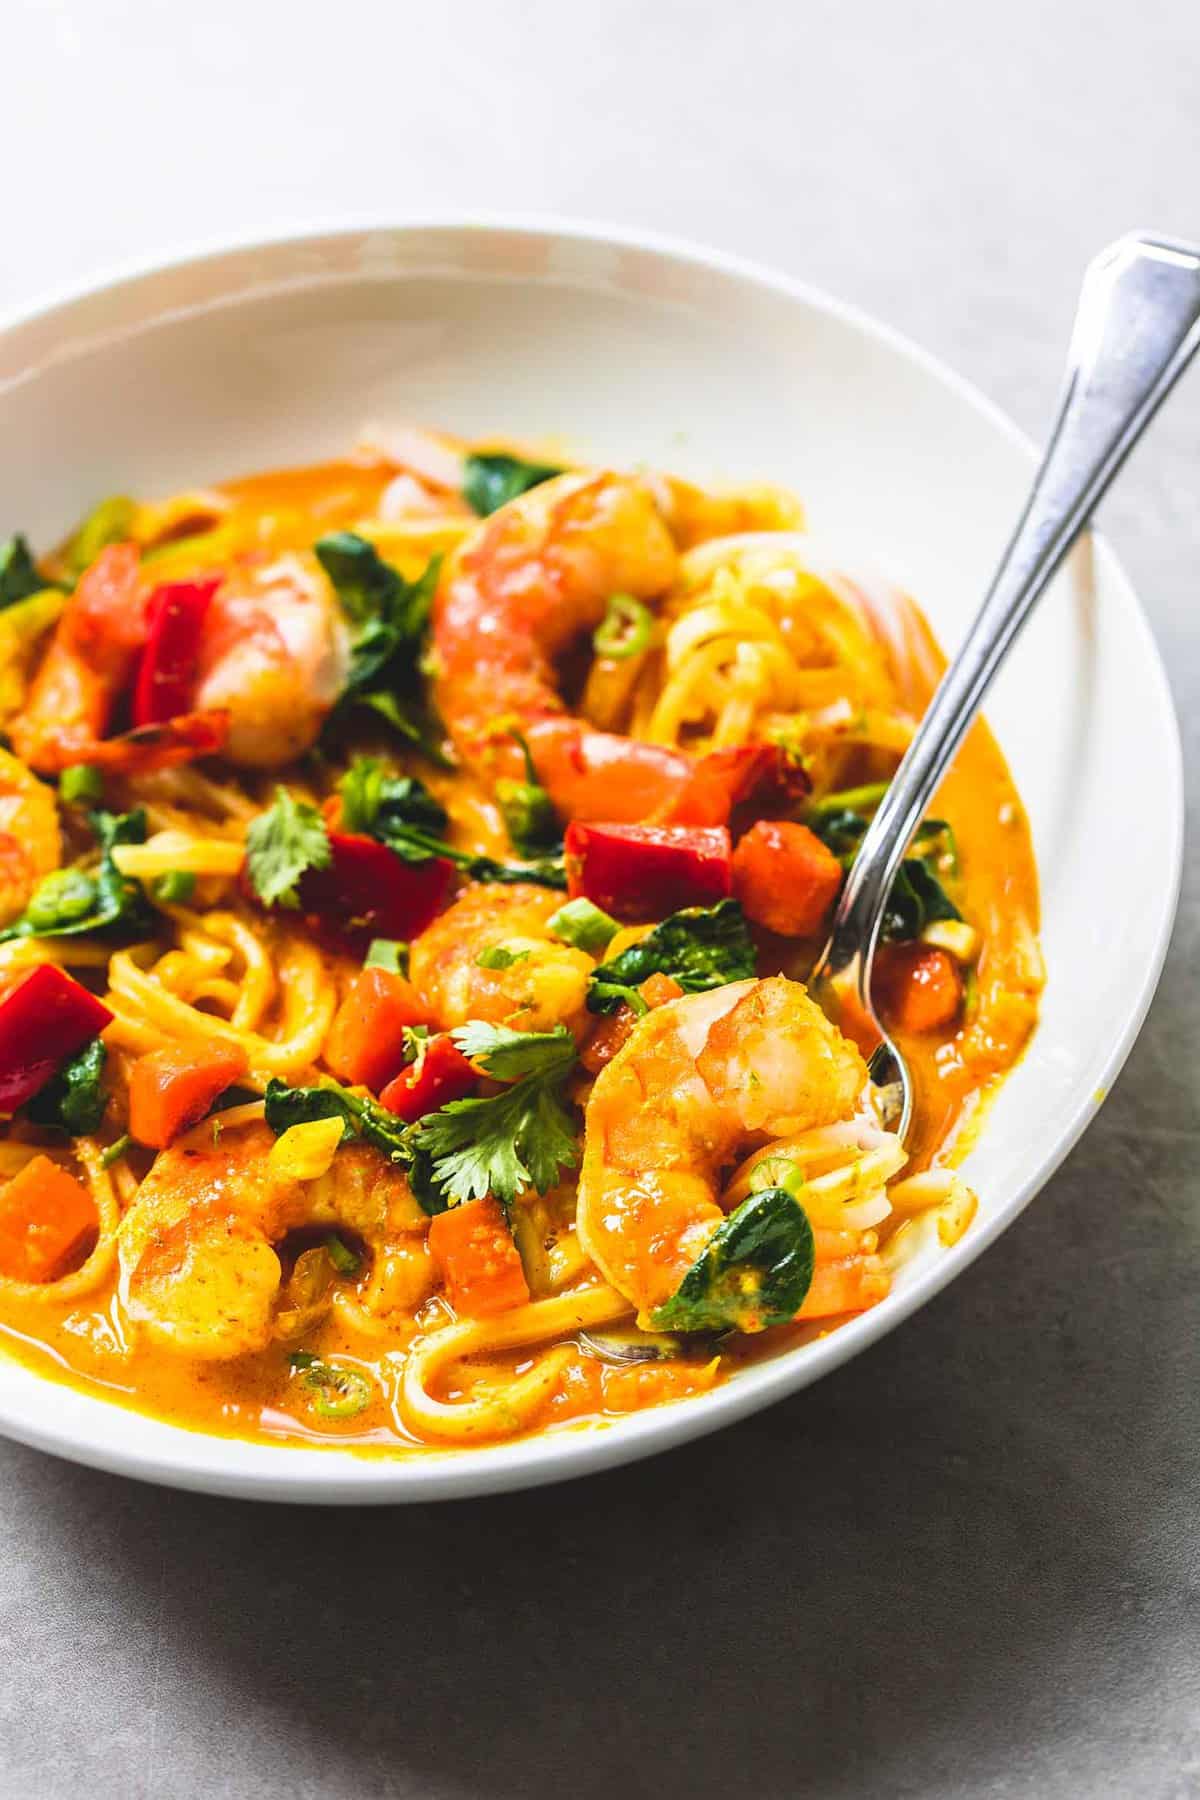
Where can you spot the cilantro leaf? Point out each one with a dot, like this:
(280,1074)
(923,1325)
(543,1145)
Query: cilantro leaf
(506,1055)
(504,1143)
(491,478)
(701,947)
(281,845)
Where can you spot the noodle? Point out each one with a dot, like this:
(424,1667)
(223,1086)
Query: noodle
(324,1265)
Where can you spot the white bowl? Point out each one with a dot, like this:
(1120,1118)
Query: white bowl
(635,349)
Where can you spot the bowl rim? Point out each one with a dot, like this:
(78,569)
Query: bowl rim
(188,1458)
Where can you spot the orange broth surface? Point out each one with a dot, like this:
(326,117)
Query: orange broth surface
(89,1346)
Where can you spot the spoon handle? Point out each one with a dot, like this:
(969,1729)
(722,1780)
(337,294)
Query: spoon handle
(1137,328)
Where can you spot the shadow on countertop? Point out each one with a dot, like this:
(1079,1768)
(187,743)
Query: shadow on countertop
(924,1576)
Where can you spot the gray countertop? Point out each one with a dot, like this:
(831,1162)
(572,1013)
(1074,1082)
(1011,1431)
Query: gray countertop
(966,1564)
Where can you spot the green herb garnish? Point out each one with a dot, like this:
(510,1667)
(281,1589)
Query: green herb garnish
(282,844)
(75,1099)
(701,947)
(627,628)
(491,478)
(504,1143)
(583,925)
(70,901)
(753,1272)
(391,615)
(81,785)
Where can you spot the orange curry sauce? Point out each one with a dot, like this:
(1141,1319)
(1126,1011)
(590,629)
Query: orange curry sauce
(89,1345)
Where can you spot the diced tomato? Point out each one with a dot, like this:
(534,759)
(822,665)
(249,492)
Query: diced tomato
(173,1088)
(368,892)
(45,1017)
(45,1217)
(647,871)
(166,674)
(785,877)
(366,1040)
(443,1074)
(916,987)
(479,1263)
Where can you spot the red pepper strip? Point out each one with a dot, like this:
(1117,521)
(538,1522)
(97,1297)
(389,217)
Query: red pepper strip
(725,779)
(368,892)
(166,674)
(647,871)
(44,1019)
(443,1074)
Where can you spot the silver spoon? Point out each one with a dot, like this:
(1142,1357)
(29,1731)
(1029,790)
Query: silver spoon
(1136,330)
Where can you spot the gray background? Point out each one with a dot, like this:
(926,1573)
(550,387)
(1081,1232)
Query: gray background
(965,1565)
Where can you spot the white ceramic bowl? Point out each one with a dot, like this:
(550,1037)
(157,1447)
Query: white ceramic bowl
(635,349)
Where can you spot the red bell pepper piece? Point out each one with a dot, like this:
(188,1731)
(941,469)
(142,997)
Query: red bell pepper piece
(443,1074)
(368,892)
(44,1018)
(725,779)
(166,674)
(647,871)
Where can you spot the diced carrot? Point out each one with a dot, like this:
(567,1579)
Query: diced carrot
(366,1040)
(785,877)
(171,1089)
(45,1217)
(917,987)
(480,1265)
(847,1286)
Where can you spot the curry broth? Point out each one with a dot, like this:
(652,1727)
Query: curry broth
(258,1396)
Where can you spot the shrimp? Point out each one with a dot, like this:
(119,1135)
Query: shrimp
(30,843)
(546,984)
(90,661)
(699,1080)
(199,1271)
(529,581)
(273,658)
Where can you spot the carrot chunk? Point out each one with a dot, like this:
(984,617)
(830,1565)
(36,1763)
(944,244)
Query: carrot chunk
(171,1089)
(785,877)
(45,1216)
(366,1041)
(480,1265)
(917,987)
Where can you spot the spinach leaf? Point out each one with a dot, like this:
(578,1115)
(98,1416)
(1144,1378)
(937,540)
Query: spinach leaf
(491,478)
(391,614)
(379,804)
(917,897)
(70,901)
(18,572)
(75,1099)
(361,1118)
(403,814)
(753,1272)
(701,947)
